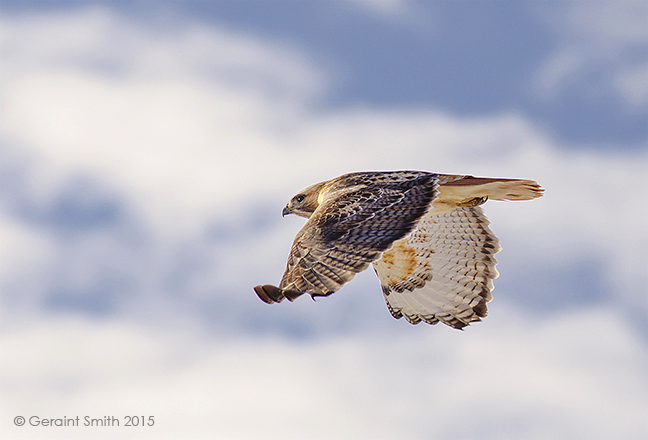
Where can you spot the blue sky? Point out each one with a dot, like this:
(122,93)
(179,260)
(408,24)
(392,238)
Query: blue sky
(559,63)
(146,151)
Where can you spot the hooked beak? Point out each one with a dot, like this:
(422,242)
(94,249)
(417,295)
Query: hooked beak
(286,211)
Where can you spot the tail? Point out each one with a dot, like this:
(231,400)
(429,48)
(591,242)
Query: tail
(460,188)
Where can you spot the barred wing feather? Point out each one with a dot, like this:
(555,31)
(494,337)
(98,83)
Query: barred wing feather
(443,271)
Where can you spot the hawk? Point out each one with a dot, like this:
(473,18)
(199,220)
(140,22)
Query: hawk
(425,235)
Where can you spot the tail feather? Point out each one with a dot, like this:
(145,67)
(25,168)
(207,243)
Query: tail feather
(461,188)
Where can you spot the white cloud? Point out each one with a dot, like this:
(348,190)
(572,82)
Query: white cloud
(554,380)
(98,41)
(23,250)
(180,118)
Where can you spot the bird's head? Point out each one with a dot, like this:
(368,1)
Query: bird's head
(305,202)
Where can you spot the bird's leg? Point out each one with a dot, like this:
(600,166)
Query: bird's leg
(471,203)
(313,295)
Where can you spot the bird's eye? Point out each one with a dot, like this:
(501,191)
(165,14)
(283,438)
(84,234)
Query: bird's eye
(300,198)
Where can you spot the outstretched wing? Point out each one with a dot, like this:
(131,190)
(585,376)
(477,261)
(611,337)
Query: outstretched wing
(443,271)
(361,218)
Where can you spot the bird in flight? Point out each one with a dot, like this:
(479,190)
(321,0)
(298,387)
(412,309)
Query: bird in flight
(425,235)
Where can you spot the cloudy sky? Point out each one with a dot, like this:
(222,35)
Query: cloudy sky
(146,151)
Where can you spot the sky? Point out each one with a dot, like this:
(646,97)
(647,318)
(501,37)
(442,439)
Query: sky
(147,149)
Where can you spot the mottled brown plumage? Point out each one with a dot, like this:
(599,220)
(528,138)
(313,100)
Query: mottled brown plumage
(424,233)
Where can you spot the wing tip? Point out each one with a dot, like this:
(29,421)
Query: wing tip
(270,294)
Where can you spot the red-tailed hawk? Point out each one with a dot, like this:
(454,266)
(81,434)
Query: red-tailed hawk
(424,233)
